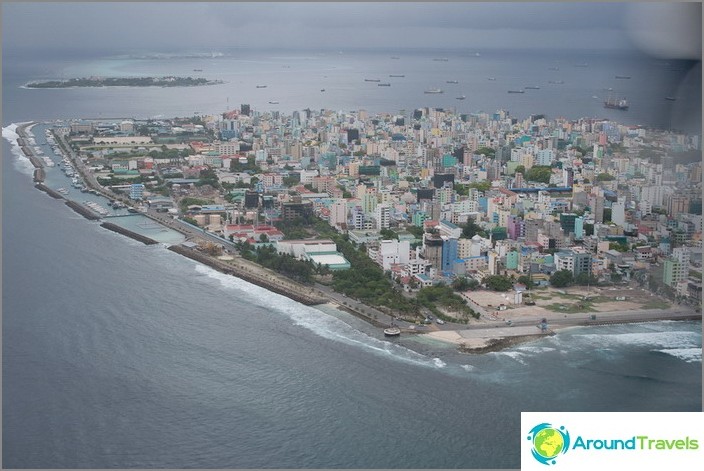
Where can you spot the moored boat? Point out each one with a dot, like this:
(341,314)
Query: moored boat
(392,331)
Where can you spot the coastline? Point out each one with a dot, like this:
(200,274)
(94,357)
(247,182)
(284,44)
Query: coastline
(476,338)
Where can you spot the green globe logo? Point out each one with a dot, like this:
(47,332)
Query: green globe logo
(548,442)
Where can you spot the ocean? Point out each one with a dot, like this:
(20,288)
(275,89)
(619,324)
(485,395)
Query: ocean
(117,354)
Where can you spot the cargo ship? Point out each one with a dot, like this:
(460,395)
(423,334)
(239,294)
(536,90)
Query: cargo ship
(616,104)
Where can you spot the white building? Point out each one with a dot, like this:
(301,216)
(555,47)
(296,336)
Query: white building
(618,213)
(392,252)
(382,215)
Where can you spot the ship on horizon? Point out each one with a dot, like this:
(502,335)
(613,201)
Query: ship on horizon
(612,104)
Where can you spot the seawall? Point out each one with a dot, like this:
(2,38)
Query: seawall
(48,191)
(85,212)
(250,276)
(126,232)
(39,175)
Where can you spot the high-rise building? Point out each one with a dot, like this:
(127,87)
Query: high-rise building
(136,191)
(432,250)
(618,213)
(677,204)
(449,253)
(382,216)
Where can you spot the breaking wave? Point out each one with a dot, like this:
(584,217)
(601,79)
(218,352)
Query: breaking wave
(321,324)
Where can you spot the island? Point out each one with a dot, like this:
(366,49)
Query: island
(169,81)
(481,260)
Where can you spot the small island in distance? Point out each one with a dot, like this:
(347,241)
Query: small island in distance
(125,82)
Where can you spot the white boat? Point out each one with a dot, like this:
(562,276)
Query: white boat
(461,97)
(392,331)
(434,90)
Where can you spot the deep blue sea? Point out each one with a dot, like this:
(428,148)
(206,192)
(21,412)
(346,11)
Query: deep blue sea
(116,354)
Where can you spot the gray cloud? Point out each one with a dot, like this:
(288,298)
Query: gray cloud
(190,26)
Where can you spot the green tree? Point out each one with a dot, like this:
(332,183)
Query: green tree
(498,282)
(585,279)
(561,278)
(618,246)
(388,234)
(486,151)
(481,186)
(460,284)
(471,229)
(525,280)
(605,177)
(539,173)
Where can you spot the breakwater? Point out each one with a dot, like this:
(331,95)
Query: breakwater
(664,317)
(271,283)
(126,232)
(83,211)
(39,175)
(48,191)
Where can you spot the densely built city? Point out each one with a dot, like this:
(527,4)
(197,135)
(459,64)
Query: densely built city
(432,198)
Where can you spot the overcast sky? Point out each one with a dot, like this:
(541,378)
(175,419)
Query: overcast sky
(666,29)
